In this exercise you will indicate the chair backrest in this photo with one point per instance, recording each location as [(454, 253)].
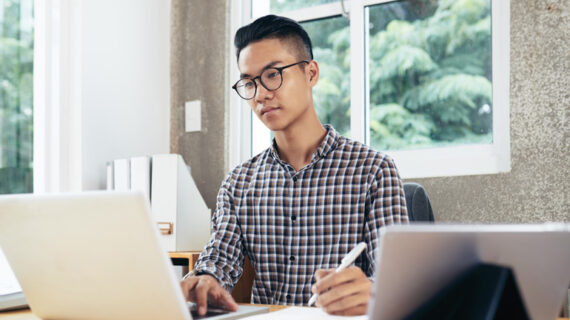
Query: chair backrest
[(417, 202)]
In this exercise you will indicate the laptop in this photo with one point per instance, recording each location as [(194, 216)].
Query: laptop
[(415, 262), (92, 255)]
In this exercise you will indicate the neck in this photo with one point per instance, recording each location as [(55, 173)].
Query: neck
[(296, 144)]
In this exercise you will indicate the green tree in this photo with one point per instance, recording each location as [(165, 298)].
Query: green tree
[(432, 74), (331, 48), (16, 109)]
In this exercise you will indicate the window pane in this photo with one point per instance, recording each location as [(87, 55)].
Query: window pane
[(430, 73), (331, 49), (279, 6), (16, 121)]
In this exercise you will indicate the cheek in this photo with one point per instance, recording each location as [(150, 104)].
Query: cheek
[(251, 103)]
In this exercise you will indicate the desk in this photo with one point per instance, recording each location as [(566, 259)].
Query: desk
[(242, 290), (26, 314)]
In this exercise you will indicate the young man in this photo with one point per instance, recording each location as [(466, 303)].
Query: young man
[(300, 206)]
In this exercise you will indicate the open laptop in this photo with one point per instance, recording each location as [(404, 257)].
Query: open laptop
[(93, 255), (415, 262)]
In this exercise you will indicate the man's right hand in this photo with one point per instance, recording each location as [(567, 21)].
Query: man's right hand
[(200, 289)]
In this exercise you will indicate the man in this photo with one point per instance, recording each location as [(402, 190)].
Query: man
[(300, 206)]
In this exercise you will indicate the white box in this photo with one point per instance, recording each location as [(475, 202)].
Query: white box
[(177, 206)]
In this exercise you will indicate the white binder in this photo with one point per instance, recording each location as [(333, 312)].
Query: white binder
[(177, 206)]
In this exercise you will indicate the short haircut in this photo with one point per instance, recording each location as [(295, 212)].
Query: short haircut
[(275, 27)]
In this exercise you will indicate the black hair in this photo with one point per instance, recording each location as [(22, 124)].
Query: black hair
[(272, 26)]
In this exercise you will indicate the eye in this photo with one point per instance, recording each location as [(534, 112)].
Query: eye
[(271, 74), (248, 84)]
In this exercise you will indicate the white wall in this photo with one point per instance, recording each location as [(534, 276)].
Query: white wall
[(125, 82)]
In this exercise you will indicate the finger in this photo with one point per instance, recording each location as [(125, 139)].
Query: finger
[(187, 285), (321, 273), (201, 293), (336, 294), (347, 302), (354, 311), (226, 300), (334, 279)]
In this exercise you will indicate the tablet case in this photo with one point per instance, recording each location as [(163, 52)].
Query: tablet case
[(485, 291)]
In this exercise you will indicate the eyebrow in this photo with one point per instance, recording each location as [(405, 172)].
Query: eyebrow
[(269, 65)]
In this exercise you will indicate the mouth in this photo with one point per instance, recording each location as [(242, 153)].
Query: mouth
[(267, 110)]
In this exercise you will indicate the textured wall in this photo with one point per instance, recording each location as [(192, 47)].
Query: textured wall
[(537, 187), (535, 190), (198, 72)]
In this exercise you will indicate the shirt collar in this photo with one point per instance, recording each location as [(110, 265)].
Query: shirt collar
[(328, 144)]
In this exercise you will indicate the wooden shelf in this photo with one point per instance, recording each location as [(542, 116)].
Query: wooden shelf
[(242, 290)]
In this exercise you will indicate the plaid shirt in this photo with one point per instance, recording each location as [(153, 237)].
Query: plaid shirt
[(292, 223)]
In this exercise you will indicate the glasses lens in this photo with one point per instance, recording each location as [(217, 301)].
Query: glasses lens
[(271, 79), (246, 88)]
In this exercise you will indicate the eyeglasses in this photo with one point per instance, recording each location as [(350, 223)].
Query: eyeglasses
[(270, 78)]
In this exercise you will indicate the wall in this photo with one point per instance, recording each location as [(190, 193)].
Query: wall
[(125, 82), (198, 72), (537, 187)]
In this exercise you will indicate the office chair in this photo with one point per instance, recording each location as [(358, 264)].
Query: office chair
[(417, 202)]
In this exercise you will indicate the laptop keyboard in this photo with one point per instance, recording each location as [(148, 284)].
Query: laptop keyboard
[(212, 311)]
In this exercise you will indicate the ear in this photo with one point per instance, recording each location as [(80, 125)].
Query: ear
[(312, 71)]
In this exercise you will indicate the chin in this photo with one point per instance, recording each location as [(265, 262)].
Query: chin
[(273, 127), (273, 124)]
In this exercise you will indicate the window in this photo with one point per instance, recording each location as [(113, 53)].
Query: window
[(16, 87), (424, 81)]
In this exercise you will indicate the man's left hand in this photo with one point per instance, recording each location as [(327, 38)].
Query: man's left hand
[(346, 292)]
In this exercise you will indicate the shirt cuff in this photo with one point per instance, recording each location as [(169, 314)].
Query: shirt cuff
[(195, 272)]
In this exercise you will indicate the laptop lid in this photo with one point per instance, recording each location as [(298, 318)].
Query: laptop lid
[(90, 255), (414, 262)]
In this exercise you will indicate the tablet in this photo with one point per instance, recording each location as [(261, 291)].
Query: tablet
[(415, 262)]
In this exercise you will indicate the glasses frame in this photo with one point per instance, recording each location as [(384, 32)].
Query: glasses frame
[(279, 69)]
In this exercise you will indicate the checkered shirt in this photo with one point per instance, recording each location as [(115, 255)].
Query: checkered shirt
[(292, 223)]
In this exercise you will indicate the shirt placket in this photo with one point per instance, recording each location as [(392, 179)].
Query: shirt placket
[(290, 256)]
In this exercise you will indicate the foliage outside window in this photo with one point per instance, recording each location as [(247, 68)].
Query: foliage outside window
[(430, 74), (332, 93), (16, 87)]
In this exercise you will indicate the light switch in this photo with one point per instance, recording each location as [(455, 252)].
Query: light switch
[(193, 116)]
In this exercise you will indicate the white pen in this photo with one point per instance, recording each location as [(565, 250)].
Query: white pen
[(346, 261)]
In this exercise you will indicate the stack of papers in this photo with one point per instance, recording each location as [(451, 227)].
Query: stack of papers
[(8, 282), (302, 313)]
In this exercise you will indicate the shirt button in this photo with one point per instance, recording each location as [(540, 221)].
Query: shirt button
[(291, 258), (288, 297), (293, 218), (294, 179)]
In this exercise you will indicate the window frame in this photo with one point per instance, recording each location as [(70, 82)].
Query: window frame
[(57, 96), (460, 160)]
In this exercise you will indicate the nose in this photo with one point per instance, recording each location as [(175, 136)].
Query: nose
[(262, 93)]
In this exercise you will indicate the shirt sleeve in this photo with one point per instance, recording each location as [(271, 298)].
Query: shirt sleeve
[(386, 205), (223, 255)]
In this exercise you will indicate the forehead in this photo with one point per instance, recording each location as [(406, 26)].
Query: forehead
[(257, 55)]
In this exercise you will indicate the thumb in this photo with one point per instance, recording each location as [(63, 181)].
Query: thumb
[(321, 273)]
